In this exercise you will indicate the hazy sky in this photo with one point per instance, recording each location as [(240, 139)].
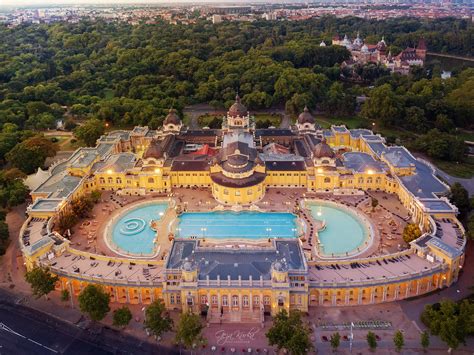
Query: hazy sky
[(100, 2)]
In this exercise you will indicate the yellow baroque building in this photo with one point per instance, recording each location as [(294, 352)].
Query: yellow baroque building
[(239, 164)]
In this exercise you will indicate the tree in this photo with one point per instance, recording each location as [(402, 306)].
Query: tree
[(411, 232), (31, 153), (64, 295), (398, 340), (94, 301), (90, 131), (425, 340), (189, 330), (42, 282), (288, 332), (335, 341), (383, 105), (451, 321), (374, 203), (371, 341), (157, 321), (460, 198), (122, 316), (4, 237), (470, 226)]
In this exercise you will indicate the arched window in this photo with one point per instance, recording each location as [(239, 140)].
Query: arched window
[(101, 181), (225, 301), (118, 180), (110, 180), (378, 180), (151, 180), (256, 300), (361, 180), (325, 161), (245, 301), (327, 180), (369, 180)]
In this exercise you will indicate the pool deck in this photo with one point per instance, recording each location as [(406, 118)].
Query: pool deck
[(388, 218)]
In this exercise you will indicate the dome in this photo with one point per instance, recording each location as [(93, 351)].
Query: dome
[(279, 266), (322, 44), (323, 150), (237, 109), (305, 117), (237, 160), (358, 41), (172, 118)]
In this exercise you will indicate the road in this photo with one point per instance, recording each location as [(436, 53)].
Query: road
[(27, 331)]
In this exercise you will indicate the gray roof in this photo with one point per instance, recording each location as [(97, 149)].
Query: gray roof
[(437, 205), (236, 262), (119, 162), (58, 186), (360, 162), (423, 183), (360, 132), (50, 204), (449, 250)]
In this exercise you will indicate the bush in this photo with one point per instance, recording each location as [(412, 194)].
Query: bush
[(64, 295), (122, 316), (411, 232)]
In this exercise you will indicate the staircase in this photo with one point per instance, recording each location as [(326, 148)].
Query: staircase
[(242, 316)]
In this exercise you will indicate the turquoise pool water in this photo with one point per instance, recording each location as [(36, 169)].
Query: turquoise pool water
[(344, 231), (238, 225), (132, 232)]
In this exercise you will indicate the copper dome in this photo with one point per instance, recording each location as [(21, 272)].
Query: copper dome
[(172, 118), (323, 150), (237, 109), (305, 116)]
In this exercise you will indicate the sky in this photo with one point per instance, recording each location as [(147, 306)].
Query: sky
[(101, 2)]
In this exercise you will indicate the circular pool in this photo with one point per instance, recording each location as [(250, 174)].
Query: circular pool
[(130, 231), (345, 231)]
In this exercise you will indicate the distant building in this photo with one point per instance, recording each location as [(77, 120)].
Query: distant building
[(229, 10), (216, 19), (363, 53)]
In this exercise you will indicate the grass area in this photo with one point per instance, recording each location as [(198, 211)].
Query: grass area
[(466, 135), (65, 143), (462, 170), (350, 122)]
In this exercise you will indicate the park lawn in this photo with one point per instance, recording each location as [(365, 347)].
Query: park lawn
[(466, 135), (463, 170), (64, 143), (350, 122)]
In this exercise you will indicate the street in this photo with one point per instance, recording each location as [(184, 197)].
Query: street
[(26, 331)]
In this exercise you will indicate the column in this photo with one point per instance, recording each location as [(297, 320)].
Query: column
[(372, 295), (359, 296), (407, 292), (397, 291), (127, 294), (321, 298), (347, 298), (384, 295), (219, 301), (251, 301), (417, 287)]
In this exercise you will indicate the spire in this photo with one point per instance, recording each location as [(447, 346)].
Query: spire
[(237, 98)]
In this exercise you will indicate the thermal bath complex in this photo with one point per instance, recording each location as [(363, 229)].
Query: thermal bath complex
[(239, 222)]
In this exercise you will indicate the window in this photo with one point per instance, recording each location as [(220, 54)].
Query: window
[(327, 180), (110, 180), (246, 301), (203, 299), (300, 301), (235, 301), (101, 181), (237, 192), (378, 180), (361, 180), (266, 300), (225, 301), (369, 180), (226, 192), (172, 299), (249, 192), (151, 180), (256, 300), (214, 299), (118, 180), (178, 298)]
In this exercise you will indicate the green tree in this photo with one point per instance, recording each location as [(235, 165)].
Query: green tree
[(449, 320), (425, 340), (374, 203), (157, 320), (90, 131), (64, 295), (42, 282), (94, 301), (31, 154), (189, 330), (288, 332), (122, 316), (371, 341), (398, 340), (470, 226), (411, 232), (460, 198), (335, 341), (383, 105), (4, 237)]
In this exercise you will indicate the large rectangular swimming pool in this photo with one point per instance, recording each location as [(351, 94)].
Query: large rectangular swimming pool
[(238, 225)]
